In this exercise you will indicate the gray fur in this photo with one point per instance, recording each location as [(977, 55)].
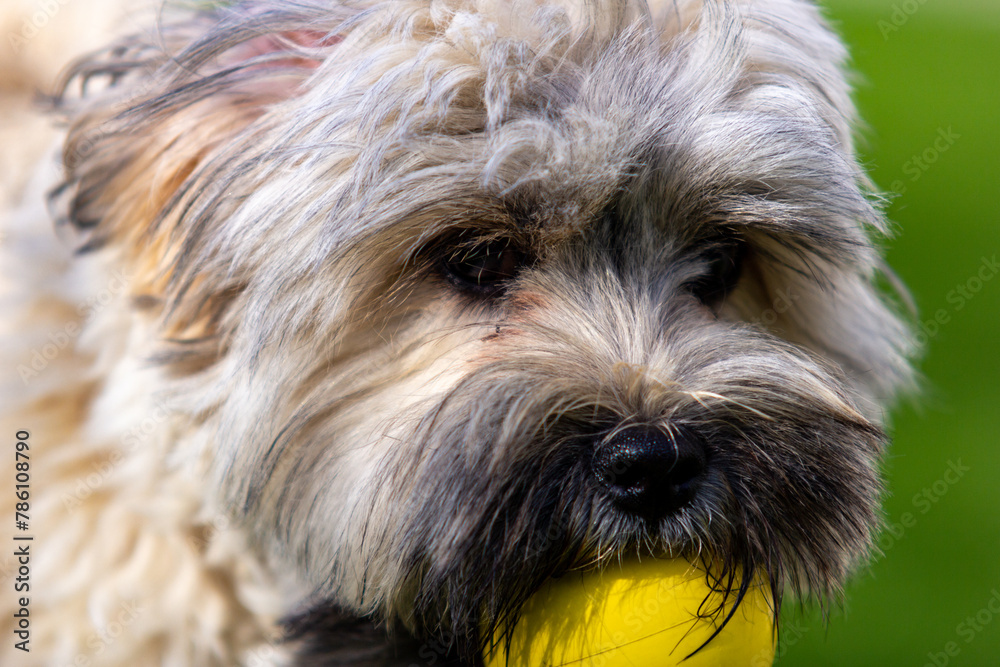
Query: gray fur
[(401, 447)]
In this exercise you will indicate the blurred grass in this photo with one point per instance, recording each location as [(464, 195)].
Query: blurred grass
[(929, 67)]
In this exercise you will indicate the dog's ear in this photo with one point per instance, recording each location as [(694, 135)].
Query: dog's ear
[(149, 116)]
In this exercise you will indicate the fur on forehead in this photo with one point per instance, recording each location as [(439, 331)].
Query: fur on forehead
[(350, 136)]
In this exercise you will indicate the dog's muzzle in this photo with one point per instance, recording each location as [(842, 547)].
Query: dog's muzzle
[(650, 472)]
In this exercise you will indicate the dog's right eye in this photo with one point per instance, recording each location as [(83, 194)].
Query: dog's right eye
[(723, 267), (484, 269)]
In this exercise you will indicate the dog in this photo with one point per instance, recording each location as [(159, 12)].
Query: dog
[(361, 320)]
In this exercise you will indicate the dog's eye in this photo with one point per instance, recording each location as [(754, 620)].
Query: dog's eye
[(485, 268), (724, 265)]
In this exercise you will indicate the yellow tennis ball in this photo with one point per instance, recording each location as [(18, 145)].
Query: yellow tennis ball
[(638, 614)]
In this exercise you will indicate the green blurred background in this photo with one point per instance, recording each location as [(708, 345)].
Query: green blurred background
[(929, 89)]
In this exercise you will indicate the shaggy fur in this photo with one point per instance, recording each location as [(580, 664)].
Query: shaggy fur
[(285, 428)]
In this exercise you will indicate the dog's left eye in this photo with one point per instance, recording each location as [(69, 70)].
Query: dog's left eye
[(485, 268)]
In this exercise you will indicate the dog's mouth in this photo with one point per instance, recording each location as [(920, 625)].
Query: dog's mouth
[(693, 490), (562, 518), (759, 499)]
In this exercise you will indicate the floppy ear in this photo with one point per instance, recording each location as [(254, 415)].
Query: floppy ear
[(150, 114)]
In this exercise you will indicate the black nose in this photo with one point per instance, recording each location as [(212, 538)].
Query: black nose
[(649, 471)]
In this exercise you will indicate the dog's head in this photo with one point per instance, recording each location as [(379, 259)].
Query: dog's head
[(467, 293)]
